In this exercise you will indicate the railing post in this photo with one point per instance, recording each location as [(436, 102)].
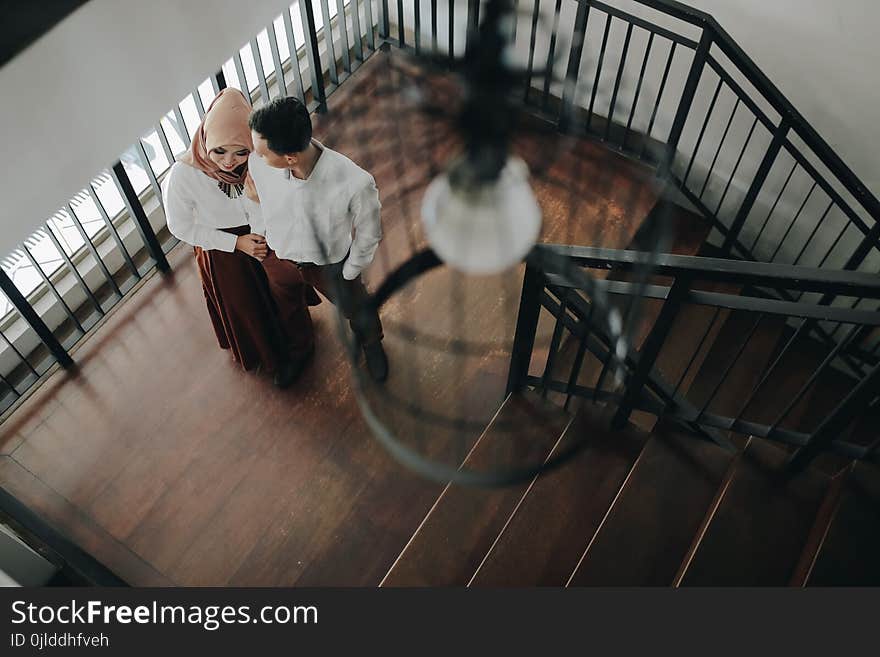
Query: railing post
[(526, 326), (574, 65), (383, 19), (16, 298), (219, 81), (136, 211), (473, 22), (761, 174), (650, 350), (310, 33), (687, 99), (858, 399)]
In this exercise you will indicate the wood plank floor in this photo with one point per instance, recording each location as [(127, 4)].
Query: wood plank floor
[(172, 466)]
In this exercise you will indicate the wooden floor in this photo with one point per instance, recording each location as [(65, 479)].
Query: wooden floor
[(171, 466)]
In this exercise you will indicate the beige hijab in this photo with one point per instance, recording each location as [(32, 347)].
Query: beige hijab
[(225, 122)]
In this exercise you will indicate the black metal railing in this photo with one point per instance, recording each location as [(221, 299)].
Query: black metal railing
[(665, 83), (715, 354)]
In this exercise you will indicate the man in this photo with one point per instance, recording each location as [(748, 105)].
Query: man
[(321, 219)]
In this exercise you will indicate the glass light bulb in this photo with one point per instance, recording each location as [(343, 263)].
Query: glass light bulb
[(486, 229)]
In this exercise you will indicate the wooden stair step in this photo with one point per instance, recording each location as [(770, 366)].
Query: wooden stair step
[(651, 524), (458, 531), (563, 509), (848, 554), (755, 533)]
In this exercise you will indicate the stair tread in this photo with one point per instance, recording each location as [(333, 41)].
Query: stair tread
[(544, 540), (651, 524), (756, 534), (458, 531), (848, 554)]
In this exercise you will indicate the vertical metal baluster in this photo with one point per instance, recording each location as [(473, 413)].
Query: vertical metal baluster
[(706, 120), (632, 111), (697, 351), (779, 137), (328, 39), (554, 342), (598, 71), (434, 26), (514, 19), (578, 360), (73, 269), (313, 56), (182, 132), (651, 349), (657, 101), (551, 54), (535, 16), (401, 23), (197, 99), (242, 78), (773, 207), (280, 82), (855, 402), (39, 269), (793, 221), (294, 56), (368, 12), (148, 169), (384, 29), (723, 378), (137, 213), (718, 150), (620, 68), (110, 227), (813, 377), (343, 34), (166, 147), (686, 101), (29, 315), (814, 231), (736, 166), (261, 74), (581, 20), (417, 19), (94, 251), (218, 81), (356, 29), (451, 29)]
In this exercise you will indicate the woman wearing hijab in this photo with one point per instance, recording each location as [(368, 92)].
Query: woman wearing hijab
[(206, 206)]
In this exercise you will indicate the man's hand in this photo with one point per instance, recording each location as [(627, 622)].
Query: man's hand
[(254, 245), (250, 190)]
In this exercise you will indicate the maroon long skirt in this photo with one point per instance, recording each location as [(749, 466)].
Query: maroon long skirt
[(246, 318)]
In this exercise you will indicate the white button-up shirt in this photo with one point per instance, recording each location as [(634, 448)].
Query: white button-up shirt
[(313, 220), (196, 208)]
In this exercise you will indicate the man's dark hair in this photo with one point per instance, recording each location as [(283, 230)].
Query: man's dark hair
[(285, 125)]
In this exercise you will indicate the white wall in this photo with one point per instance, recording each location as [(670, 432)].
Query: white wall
[(80, 95)]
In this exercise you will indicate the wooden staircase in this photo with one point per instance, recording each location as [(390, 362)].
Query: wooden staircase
[(651, 505), (647, 509)]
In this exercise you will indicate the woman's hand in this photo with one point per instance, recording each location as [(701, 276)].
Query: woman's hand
[(254, 245), (250, 189)]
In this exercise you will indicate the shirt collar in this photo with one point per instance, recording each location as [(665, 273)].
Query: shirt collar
[(288, 175)]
